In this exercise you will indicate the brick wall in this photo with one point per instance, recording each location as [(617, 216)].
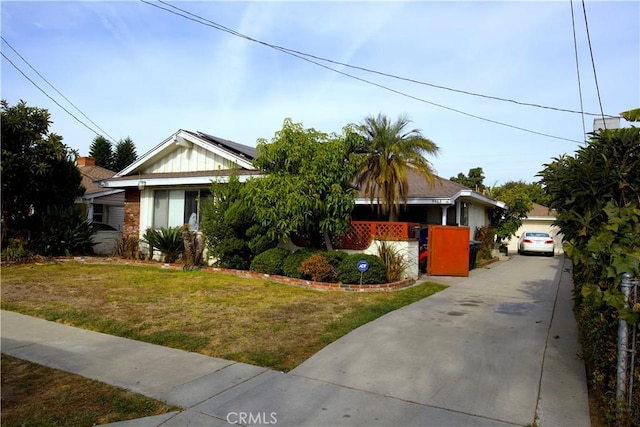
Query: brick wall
[(131, 212)]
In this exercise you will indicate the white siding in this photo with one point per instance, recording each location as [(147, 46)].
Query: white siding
[(189, 159), (477, 218), (115, 217)]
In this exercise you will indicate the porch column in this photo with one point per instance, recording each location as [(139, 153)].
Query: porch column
[(444, 214), (458, 213)]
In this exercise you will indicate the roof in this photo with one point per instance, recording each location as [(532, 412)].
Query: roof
[(539, 211), (94, 173), (240, 154), (249, 152), (443, 192)]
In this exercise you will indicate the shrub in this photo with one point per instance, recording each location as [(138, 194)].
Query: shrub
[(335, 258), (319, 269), (16, 252), (348, 271), (395, 261), (486, 236), (291, 264), (64, 232), (128, 247), (270, 261), (166, 240)]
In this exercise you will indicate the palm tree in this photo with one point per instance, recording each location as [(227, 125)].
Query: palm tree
[(392, 152)]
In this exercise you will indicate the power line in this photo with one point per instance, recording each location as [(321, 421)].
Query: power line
[(46, 94), (368, 70), (593, 64), (54, 88), (300, 56), (575, 49)]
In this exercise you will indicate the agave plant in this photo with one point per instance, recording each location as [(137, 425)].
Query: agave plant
[(166, 240)]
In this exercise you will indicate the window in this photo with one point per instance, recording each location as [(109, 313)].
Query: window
[(191, 209), (465, 214), (160, 209), (99, 213)]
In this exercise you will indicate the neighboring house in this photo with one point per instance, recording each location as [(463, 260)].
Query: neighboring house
[(539, 218), (103, 206), (163, 187), (446, 203)]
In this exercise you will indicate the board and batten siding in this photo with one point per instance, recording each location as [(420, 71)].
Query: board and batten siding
[(190, 159)]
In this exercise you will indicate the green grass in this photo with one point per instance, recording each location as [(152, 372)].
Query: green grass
[(247, 320), (35, 395)]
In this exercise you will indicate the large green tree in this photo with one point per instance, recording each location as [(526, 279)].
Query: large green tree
[(306, 186), (474, 179), (392, 150), (39, 175), (516, 194), (102, 152), (233, 235), (124, 154)]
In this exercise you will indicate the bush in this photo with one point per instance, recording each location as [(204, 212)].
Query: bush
[(348, 271), (270, 261), (486, 236), (319, 269), (335, 258), (395, 262), (16, 252), (291, 264), (65, 232), (128, 247), (166, 240)]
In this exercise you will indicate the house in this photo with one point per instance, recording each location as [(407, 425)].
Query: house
[(102, 206), (164, 186), (539, 218), (444, 203)]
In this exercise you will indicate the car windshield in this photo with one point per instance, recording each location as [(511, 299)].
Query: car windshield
[(537, 234)]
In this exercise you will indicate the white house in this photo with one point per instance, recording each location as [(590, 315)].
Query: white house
[(163, 187)]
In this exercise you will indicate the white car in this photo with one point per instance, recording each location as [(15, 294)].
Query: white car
[(536, 241)]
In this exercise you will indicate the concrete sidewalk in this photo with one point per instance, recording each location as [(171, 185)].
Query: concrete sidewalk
[(495, 349)]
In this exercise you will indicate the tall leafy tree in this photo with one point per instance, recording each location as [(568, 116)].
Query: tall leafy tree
[(102, 152), (474, 179), (307, 183), (392, 150), (517, 197), (124, 154), (233, 235), (39, 174)]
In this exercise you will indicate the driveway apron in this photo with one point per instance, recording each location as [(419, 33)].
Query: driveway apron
[(475, 348)]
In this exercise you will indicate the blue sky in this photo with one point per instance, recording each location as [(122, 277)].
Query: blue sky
[(139, 71)]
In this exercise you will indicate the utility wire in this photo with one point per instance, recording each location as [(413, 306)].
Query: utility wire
[(368, 70), (575, 49), (54, 88), (206, 22), (593, 64), (47, 95)]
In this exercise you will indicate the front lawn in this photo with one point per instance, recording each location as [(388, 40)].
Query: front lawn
[(247, 320), (35, 395)]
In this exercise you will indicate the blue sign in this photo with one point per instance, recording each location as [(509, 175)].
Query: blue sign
[(363, 266)]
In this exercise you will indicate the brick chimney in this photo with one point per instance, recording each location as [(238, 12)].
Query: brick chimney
[(86, 161)]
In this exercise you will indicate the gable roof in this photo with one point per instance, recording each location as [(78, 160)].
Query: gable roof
[(90, 174), (239, 154), (541, 212)]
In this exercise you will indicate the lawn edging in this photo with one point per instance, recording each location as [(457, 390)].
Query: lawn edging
[(301, 283)]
